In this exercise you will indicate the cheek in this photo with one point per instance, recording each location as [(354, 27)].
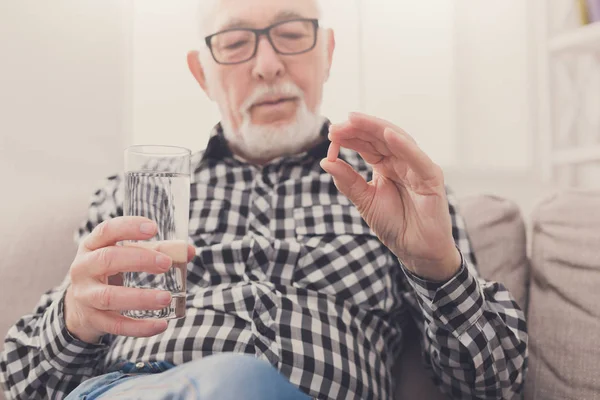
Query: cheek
[(311, 81), (231, 96)]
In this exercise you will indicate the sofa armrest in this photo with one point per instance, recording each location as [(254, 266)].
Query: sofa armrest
[(564, 317), (498, 236)]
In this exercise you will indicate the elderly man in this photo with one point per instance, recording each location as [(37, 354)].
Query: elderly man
[(315, 247)]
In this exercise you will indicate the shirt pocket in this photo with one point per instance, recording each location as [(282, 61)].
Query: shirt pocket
[(341, 256), (215, 221)]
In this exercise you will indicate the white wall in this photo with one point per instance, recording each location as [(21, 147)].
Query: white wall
[(62, 80), (408, 58), (495, 105), (343, 91)]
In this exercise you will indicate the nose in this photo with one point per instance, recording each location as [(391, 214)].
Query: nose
[(268, 66)]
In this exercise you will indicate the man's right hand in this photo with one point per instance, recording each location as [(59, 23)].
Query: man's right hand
[(92, 306)]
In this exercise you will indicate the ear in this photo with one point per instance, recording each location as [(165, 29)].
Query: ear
[(193, 61), (330, 50)]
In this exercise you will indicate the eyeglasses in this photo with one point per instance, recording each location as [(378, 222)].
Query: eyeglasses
[(236, 46)]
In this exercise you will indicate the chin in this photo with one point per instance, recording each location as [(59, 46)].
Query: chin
[(281, 124), (276, 139)]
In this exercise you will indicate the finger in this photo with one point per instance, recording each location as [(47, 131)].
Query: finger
[(120, 298), (349, 182), (117, 324), (112, 260), (191, 253), (178, 250), (349, 136), (347, 131), (370, 123), (117, 229), (416, 158), (333, 152)]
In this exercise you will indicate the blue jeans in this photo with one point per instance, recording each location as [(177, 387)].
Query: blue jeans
[(219, 377)]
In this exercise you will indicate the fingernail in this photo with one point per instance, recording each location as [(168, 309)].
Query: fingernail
[(163, 298), (163, 261), (147, 228)]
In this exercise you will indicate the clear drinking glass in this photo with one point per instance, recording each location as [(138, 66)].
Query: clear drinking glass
[(157, 186)]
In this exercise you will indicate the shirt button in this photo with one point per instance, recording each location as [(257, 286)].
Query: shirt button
[(140, 365)]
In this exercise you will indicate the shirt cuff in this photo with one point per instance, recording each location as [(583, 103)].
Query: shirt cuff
[(454, 305), (63, 351)]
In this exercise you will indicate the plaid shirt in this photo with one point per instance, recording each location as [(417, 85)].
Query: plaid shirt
[(287, 270)]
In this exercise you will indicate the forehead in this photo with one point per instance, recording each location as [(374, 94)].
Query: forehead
[(257, 13)]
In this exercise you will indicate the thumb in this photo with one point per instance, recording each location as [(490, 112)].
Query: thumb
[(349, 182)]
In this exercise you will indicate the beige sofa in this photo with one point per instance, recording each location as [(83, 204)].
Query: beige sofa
[(559, 284)]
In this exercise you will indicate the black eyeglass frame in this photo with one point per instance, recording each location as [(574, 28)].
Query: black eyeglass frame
[(264, 32)]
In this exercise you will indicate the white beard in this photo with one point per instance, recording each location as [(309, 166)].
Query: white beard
[(260, 142)]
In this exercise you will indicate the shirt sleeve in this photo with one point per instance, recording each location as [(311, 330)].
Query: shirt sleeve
[(41, 359), (474, 334)]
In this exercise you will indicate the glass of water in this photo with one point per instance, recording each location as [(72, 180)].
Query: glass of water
[(157, 186)]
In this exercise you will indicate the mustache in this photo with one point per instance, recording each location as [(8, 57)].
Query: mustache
[(287, 89)]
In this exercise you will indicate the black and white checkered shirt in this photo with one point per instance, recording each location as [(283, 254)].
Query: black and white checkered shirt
[(287, 270)]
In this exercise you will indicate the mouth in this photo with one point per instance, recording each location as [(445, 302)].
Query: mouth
[(275, 101)]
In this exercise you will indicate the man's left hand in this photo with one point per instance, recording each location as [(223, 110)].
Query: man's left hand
[(405, 203)]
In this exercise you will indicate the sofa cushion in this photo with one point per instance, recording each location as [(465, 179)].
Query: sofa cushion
[(564, 317), (497, 234)]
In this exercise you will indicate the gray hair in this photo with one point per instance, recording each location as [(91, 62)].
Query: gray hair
[(206, 9)]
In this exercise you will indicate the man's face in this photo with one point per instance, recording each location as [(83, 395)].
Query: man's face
[(237, 88)]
